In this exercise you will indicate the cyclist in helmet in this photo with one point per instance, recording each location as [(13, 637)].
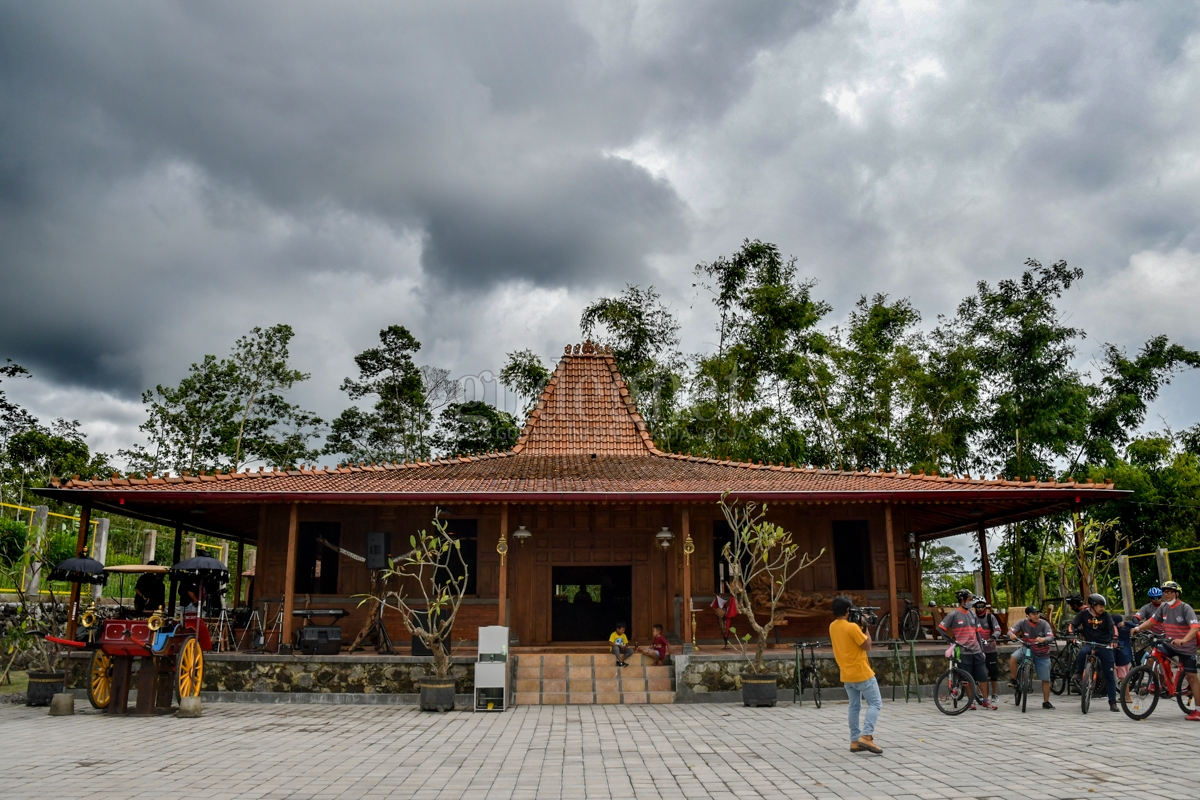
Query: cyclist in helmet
[(1181, 626), (989, 633), (961, 626), (1095, 626), (1035, 633), (1147, 611)]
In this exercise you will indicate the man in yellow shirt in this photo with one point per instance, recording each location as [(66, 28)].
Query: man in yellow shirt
[(851, 643)]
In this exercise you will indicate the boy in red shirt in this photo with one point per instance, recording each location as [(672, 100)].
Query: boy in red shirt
[(659, 648)]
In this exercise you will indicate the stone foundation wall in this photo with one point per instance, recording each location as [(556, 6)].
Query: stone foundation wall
[(700, 674), (263, 674)]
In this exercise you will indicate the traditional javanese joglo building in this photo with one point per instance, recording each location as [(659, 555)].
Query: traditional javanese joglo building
[(599, 524)]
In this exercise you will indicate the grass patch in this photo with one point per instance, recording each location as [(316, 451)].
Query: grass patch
[(20, 681)]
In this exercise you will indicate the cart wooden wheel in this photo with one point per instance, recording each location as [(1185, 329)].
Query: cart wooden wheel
[(189, 668), (100, 679)]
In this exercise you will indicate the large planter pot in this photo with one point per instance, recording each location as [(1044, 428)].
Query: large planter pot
[(759, 690), (43, 686), (437, 695)]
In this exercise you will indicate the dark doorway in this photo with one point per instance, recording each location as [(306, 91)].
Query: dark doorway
[(852, 554), (466, 531), (589, 601), (317, 557)]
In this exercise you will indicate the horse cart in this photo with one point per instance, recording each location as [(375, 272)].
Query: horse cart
[(171, 652)]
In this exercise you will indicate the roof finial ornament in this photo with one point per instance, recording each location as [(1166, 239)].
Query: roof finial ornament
[(577, 349), (567, 350), (588, 347)]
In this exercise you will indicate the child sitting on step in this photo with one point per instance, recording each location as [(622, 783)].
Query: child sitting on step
[(620, 642)]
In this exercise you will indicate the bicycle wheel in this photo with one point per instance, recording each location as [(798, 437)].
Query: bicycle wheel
[(1138, 694), (954, 692), (1025, 682), (910, 627), (883, 631), (1183, 694), (1087, 686), (1060, 675), (815, 678)]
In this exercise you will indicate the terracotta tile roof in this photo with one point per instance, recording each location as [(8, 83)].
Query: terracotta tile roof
[(586, 408), (569, 473), (584, 437)]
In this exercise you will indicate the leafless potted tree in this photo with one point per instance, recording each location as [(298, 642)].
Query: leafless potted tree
[(26, 636), (431, 580), (761, 554)]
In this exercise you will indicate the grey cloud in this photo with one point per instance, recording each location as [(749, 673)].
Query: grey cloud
[(172, 174)]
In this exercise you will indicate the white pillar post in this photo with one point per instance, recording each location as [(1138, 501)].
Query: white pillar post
[(37, 534), (100, 551)]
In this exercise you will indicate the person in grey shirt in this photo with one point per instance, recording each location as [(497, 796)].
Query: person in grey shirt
[(1035, 633), (989, 632)]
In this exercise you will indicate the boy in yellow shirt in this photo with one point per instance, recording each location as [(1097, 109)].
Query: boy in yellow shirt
[(619, 642), (851, 643)]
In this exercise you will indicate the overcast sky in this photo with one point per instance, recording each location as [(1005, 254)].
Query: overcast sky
[(173, 174)]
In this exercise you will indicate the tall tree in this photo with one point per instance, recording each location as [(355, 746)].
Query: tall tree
[(260, 368), (397, 426), (1035, 403), (474, 427), (1127, 386), (644, 337), (227, 412), (526, 376)]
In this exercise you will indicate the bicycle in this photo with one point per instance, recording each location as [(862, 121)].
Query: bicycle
[(1062, 669), (1024, 678), (910, 624), (1157, 677), (1093, 679), (807, 675), (955, 691)]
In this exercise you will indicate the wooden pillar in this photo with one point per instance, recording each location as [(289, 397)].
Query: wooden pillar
[(174, 561), (891, 554), (85, 518), (289, 580), (502, 549), (688, 546), (985, 562), (237, 581)]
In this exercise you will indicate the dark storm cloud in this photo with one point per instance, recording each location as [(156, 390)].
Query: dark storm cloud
[(172, 174), (485, 130)]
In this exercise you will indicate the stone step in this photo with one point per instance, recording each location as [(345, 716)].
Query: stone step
[(589, 678)]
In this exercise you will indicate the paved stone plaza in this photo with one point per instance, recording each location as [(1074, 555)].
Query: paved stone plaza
[(674, 751)]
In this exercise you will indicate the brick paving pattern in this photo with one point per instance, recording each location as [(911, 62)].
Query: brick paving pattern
[(595, 751)]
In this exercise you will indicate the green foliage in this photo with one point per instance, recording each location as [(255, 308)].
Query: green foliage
[(644, 337), (1163, 472), (474, 427), (227, 412), (526, 375), (13, 533), (397, 426), (943, 573), (1035, 404)]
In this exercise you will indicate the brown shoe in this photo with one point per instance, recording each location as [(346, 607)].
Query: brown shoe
[(855, 747), (868, 743)]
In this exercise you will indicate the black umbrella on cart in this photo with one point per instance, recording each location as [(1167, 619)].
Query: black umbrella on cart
[(203, 569), (79, 569)]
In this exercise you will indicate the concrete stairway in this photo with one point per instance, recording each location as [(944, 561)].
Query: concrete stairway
[(584, 679)]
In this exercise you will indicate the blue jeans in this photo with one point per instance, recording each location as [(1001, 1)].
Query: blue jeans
[(1105, 654), (857, 692)]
